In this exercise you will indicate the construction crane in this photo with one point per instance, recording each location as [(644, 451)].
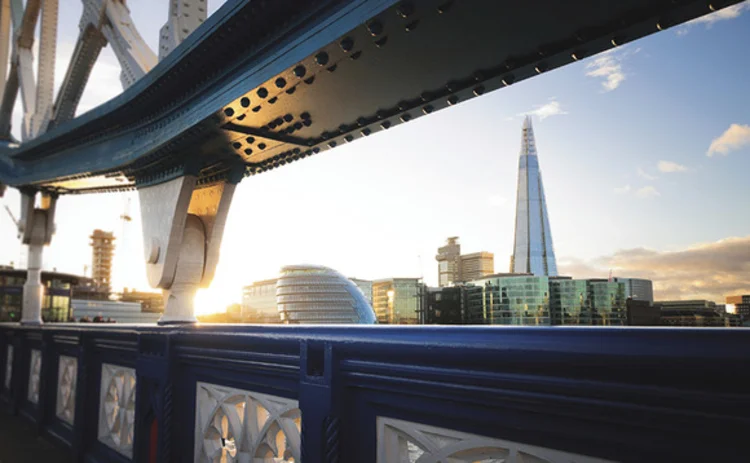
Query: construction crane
[(21, 249)]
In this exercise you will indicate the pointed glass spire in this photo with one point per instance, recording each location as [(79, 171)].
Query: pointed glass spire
[(532, 250)]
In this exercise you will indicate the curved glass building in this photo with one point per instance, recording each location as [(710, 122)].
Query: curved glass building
[(307, 294)]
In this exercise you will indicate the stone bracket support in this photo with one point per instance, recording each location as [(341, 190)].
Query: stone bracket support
[(35, 229), (182, 230)]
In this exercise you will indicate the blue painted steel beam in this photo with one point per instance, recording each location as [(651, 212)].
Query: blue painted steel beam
[(264, 83)]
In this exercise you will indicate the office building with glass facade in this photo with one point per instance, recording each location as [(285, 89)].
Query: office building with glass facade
[(397, 301), (608, 302), (638, 289), (570, 302), (508, 300)]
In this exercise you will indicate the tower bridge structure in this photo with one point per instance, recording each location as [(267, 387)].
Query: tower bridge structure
[(255, 86)]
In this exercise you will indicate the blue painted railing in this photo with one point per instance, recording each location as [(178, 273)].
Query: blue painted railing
[(618, 394)]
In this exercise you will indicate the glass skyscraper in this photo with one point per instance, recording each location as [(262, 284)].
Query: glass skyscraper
[(532, 249)]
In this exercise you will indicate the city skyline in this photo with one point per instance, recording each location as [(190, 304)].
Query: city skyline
[(653, 197)]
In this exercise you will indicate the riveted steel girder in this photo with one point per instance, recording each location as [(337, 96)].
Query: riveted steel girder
[(269, 83)]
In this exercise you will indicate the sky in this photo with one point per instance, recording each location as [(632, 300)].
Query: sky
[(644, 152)]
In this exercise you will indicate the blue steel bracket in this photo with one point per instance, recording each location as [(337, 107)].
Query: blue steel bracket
[(319, 401)]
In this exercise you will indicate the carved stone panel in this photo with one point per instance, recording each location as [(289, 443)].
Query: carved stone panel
[(238, 425), (406, 442), (35, 371), (66, 388), (117, 408)]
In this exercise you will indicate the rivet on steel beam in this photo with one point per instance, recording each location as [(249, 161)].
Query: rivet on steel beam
[(310, 80), (355, 55), (479, 90), (444, 7), (288, 117), (272, 125), (250, 140), (366, 131), (256, 109), (348, 138), (316, 150), (297, 125), (576, 55), (453, 99), (248, 151), (321, 58), (347, 43), (381, 42), (278, 121), (428, 109), (307, 122), (280, 82), (273, 100), (262, 92), (616, 41), (245, 102), (300, 71), (405, 9), (296, 150), (509, 79), (305, 115), (261, 146), (385, 124), (411, 26), (405, 117), (375, 28), (331, 68), (711, 7), (229, 112), (237, 145), (332, 144), (291, 90), (540, 68)]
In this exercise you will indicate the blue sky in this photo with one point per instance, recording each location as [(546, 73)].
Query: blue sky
[(625, 146)]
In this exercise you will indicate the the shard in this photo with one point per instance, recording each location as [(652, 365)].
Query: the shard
[(532, 248)]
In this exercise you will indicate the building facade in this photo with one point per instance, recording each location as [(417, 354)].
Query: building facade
[(102, 250), (608, 302), (397, 301), (697, 312), (111, 311), (366, 287), (508, 300), (453, 267), (570, 302), (638, 289), (533, 251), (444, 306), (55, 303), (307, 294), (477, 265), (741, 306), (259, 302)]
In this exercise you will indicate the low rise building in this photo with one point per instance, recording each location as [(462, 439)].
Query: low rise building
[(56, 300), (115, 311), (443, 306), (259, 302), (697, 312)]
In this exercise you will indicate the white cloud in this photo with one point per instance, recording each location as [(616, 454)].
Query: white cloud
[(669, 166), (647, 192), (622, 189), (709, 20), (608, 65), (734, 138), (643, 174), (553, 108)]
